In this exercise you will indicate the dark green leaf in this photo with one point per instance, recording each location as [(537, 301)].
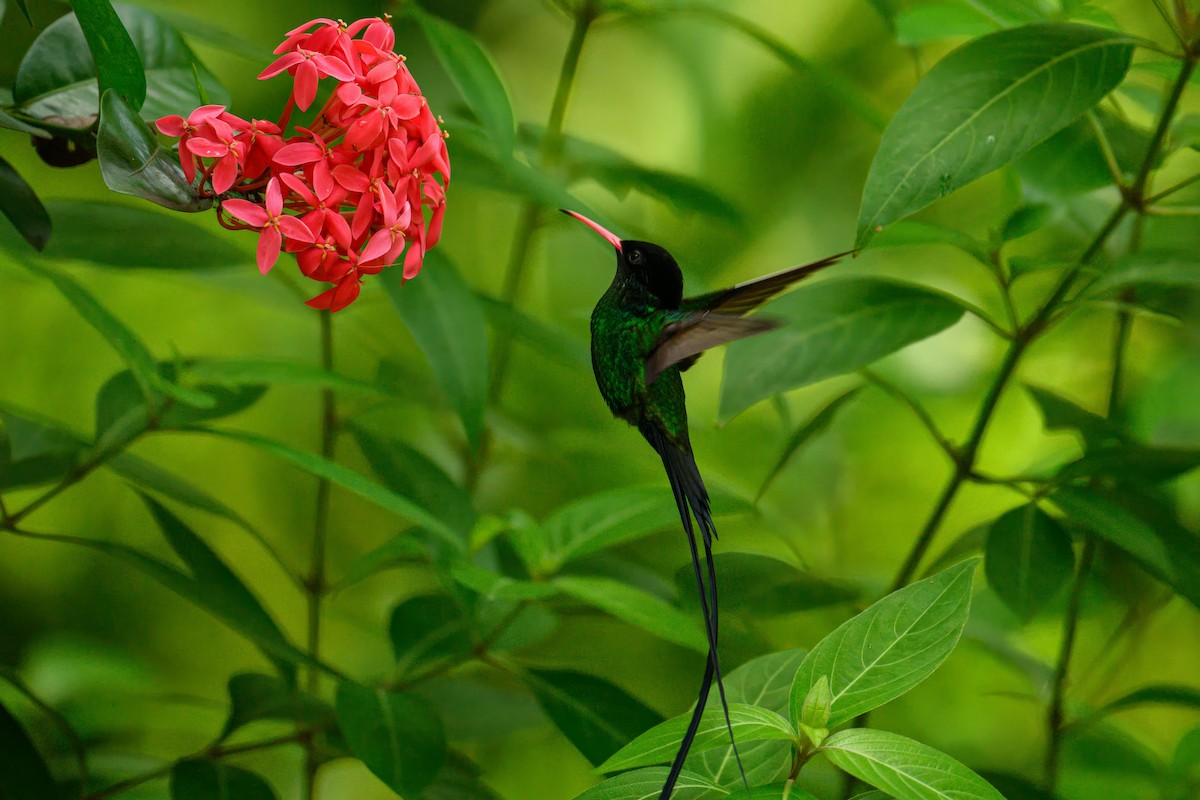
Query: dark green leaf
[(764, 586), (1071, 161), (905, 769), (775, 791), (156, 479), (24, 210), (234, 372), (428, 628), (914, 232), (1029, 559), (215, 36), (445, 318), (1175, 562), (254, 697), (201, 779), (1016, 788), (646, 784), (133, 162), (813, 427), (220, 590), (100, 233), (120, 396), (833, 328), (347, 479), (970, 543), (659, 744), (400, 549), (931, 22), (1026, 220), (1132, 463), (1159, 694), (474, 74), (983, 105), (34, 450), (57, 78), (21, 4), (411, 473), (606, 519), (460, 779), (1059, 413), (891, 647), (598, 717), (545, 338), (12, 123), (118, 65), (1148, 269), (397, 735), (26, 776), (638, 608)]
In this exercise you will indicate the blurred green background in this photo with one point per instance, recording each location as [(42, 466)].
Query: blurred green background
[(129, 661)]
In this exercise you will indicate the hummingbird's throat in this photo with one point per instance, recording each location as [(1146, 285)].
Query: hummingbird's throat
[(612, 238)]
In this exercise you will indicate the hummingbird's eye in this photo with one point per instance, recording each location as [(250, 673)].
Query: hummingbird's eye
[(635, 257)]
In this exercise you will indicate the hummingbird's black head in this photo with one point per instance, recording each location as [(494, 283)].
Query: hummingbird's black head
[(643, 267)]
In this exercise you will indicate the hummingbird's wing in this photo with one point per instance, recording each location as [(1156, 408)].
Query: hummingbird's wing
[(682, 341), (745, 297)]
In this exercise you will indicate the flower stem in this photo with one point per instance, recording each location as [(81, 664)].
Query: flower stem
[(527, 224), (315, 585)]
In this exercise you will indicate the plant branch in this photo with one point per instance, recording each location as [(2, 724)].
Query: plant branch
[(57, 718), (918, 410), (1170, 190), (1054, 714), (315, 585), (1106, 148)]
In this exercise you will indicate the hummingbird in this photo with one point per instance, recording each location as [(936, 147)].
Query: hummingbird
[(644, 335)]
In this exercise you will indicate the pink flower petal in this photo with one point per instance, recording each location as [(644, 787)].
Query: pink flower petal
[(435, 226), (286, 61), (269, 242), (351, 178), (171, 125), (306, 84), (206, 148), (377, 246), (408, 106), (298, 186), (298, 153), (345, 293), (274, 198), (322, 179), (365, 130), (225, 174), (322, 301), (293, 228), (250, 213), (334, 68), (340, 229), (413, 261)]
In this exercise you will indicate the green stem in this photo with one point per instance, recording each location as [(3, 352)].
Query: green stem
[(527, 223), (1054, 714), (918, 410), (315, 585), (1164, 125)]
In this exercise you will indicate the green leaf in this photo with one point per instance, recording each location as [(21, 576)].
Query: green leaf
[(983, 105), (775, 791), (398, 736), (126, 344), (646, 784), (638, 608), (1158, 694), (14, 124), (100, 233), (877, 795), (26, 776), (201, 779), (21, 4), (1059, 413), (447, 321), (215, 36), (805, 433), (1029, 559), (257, 372), (764, 586), (833, 328), (914, 232), (903, 768), (1132, 463), (156, 479), (428, 628), (494, 586), (121, 396), (218, 589), (474, 74), (595, 715), (891, 647), (544, 338), (618, 516), (133, 162), (765, 682), (460, 779), (254, 697), (1016, 788), (34, 452), (56, 80), (1148, 269), (818, 705), (931, 22), (1176, 566), (1027, 219), (400, 549), (1072, 162), (659, 744), (411, 473), (24, 210), (347, 479), (118, 65)]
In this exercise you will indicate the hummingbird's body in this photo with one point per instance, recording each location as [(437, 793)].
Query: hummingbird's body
[(644, 335)]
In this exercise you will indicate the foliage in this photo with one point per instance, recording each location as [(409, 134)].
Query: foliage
[(505, 597)]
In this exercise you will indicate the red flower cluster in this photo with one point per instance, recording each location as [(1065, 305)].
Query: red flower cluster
[(348, 194)]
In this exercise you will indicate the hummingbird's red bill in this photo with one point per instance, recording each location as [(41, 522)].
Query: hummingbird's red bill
[(612, 238)]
